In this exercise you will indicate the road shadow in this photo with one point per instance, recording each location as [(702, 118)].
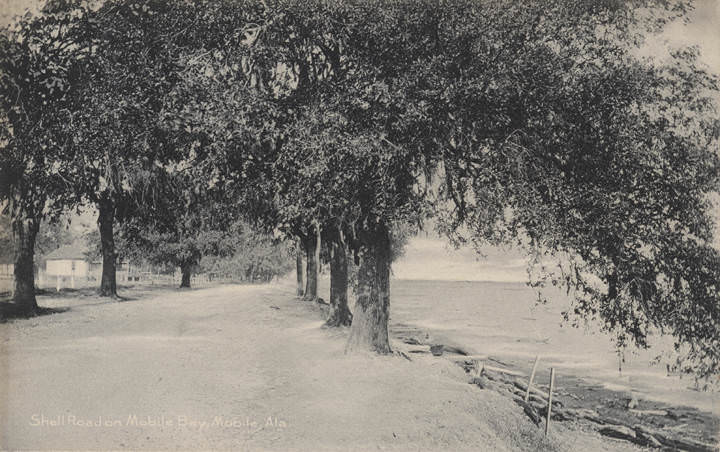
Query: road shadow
[(12, 311)]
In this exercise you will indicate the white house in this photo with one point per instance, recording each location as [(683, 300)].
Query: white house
[(6, 274), (7, 266), (68, 260)]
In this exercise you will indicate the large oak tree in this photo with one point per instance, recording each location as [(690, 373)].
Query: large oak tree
[(41, 66), (120, 129)]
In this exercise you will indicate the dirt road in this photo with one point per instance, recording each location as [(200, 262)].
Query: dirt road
[(237, 368)]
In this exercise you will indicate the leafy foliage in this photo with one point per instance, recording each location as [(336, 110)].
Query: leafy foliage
[(183, 223), (40, 67), (252, 257), (598, 158), (535, 123)]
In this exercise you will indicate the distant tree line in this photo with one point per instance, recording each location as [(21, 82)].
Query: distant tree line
[(342, 126)]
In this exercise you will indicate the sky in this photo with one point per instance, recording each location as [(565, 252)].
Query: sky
[(703, 30)]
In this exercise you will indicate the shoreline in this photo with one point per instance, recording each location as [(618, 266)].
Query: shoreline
[(699, 429), (506, 320)]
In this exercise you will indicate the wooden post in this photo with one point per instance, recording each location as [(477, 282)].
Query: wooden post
[(478, 367), (549, 405), (57, 283), (532, 376)]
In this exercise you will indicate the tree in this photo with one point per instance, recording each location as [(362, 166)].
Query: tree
[(120, 127), (40, 63), (226, 111), (252, 256), (238, 92), (183, 222), (572, 146), (340, 314), (326, 146), (367, 112), (299, 268), (306, 74), (313, 245), (478, 93)]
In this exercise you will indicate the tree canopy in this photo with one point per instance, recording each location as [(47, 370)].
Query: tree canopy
[(534, 123)]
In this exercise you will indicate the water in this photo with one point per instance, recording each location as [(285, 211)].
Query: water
[(504, 321)]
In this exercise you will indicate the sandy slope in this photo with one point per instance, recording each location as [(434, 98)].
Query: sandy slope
[(237, 367)]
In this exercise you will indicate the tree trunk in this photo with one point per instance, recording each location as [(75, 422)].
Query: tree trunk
[(186, 270), (25, 230), (299, 269), (108, 284), (312, 249), (369, 330), (340, 314)]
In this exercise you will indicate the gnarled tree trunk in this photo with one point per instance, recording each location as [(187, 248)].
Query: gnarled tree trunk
[(25, 230), (312, 250), (340, 314), (299, 269), (369, 330), (186, 270), (106, 219)]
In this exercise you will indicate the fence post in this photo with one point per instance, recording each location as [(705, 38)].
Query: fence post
[(549, 405), (532, 376), (478, 366)]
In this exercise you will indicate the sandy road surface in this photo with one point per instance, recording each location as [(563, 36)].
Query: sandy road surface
[(237, 367)]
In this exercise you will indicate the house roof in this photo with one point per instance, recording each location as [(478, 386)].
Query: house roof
[(75, 251)]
